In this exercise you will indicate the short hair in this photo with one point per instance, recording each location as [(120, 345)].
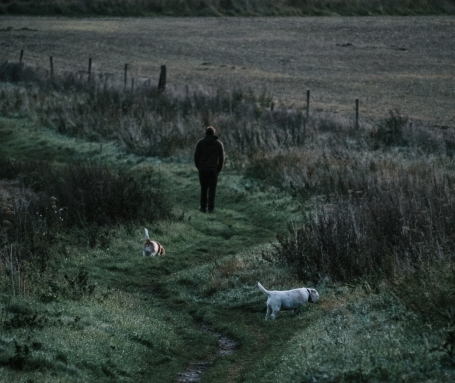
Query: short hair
[(210, 131)]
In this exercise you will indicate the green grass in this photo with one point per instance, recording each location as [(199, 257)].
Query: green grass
[(115, 334), (140, 324), (23, 141)]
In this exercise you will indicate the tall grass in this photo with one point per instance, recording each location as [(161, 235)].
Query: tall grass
[(150, 122), (84, 194), (381, 200), (377, 225), (38, 212), (226, 7), (385, 186)]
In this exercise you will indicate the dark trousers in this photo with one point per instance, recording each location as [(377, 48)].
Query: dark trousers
[(208, 180)]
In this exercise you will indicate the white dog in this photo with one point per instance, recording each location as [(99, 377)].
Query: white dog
[(288, 300), (152, 248)]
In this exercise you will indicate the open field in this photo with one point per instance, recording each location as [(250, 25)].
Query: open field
[(387, 62)]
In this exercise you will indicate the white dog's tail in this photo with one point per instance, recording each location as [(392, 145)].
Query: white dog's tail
[(263, 290), (146, 234)]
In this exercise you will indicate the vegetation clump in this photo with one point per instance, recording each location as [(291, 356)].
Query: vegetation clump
[(42, 203), (381, 226)]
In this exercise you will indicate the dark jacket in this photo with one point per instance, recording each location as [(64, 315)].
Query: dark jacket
[(209, 154)]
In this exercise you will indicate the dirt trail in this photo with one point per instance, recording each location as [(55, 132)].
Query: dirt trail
[(226, 346), (256, 342), (260, 344)]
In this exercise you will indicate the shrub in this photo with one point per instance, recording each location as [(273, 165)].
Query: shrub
[(391, 130), (385, 226), (50, 200), (20, 357), (16, 72), (85, 194), (95, 194)]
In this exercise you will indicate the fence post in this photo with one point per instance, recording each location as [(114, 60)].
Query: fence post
[(357, 113), (162, 81), (51, 60), (22, 54), (126, 75), (307, 104), (12, 270), (89, 69)]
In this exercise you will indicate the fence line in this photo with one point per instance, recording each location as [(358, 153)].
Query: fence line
[(53, 68), (162, 83)]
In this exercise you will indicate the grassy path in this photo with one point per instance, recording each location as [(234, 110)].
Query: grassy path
[(214, 262), (155, 305), (201, 244)]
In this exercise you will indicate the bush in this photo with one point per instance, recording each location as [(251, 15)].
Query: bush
[(391, 130), (16, 72), (385, 226), (49, 201), (90, 194), (85, 194)]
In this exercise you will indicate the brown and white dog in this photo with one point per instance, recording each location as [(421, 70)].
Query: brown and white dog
[(288, 300), (152, 248)]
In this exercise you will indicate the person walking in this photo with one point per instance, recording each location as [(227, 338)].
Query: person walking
[(209, 160)]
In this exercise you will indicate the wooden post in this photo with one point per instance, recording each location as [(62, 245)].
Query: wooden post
[(162, 82), (126, 75), (304, 131), (12, 270), (89, 69), (22, 54), (307, 104), (52, 65), (357, 113)]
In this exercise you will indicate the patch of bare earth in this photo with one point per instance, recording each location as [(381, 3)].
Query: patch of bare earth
[(226, 346), (260, 344)]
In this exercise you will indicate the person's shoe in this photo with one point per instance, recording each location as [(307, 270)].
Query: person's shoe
[(202, 210)]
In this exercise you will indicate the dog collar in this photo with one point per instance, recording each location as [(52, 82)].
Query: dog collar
[(310, 299)]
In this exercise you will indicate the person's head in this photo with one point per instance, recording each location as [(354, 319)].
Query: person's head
[(210, 131)]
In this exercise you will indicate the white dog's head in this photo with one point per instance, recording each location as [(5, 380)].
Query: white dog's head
[(313, 296)]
